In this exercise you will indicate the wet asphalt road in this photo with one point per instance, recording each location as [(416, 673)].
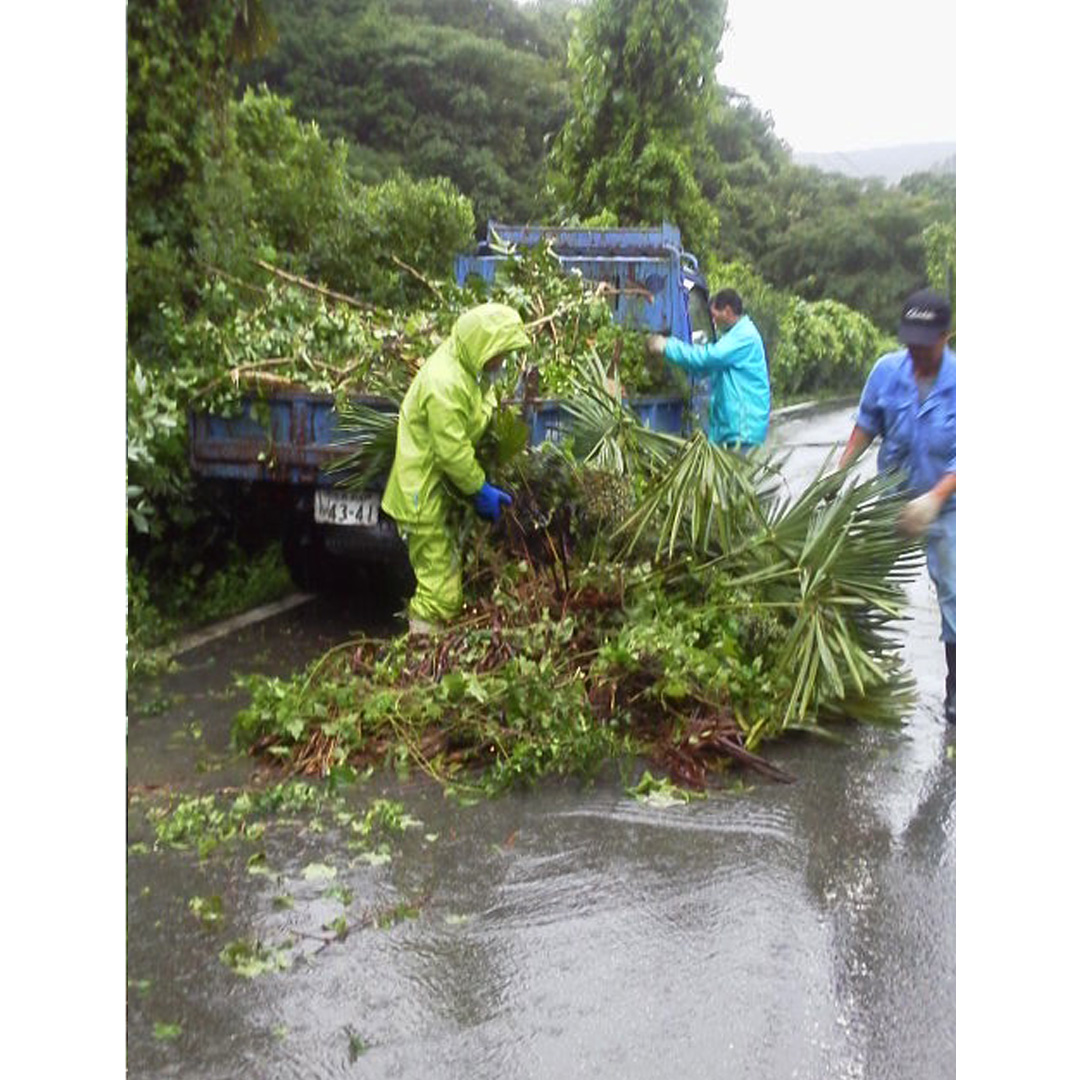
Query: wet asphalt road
[(803, 930)]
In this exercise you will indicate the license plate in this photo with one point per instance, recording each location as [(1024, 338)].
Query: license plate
[(345, 508)]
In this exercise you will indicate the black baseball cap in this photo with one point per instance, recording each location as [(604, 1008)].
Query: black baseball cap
[(925, 318)]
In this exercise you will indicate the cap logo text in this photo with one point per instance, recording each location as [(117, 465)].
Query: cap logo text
[(918, 314)]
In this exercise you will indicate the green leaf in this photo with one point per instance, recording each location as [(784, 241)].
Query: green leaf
[(208, 910), (250, 959)]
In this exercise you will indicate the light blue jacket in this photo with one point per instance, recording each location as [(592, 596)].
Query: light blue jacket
[(739, 380)]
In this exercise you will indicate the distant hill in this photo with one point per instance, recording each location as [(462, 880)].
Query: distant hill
[(890, 163)]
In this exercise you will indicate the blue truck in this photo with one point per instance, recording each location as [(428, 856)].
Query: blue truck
[(272, 458)]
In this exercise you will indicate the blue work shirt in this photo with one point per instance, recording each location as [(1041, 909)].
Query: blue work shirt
[(739, 381), (917, 437)]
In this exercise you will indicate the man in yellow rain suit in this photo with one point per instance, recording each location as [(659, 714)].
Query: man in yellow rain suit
[(442, 417)]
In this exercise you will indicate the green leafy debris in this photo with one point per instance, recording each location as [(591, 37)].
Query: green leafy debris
[(357, 1045), (249, 958), (341, 893), (339, 926), (209, 910), (257, 864), (318, 872), (660, 793), (391, 916)]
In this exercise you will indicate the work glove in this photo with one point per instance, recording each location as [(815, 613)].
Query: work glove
[(489, 501), (655, 344), (919, 514)]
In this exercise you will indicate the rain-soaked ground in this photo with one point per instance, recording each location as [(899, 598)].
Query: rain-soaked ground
[(802, 930)]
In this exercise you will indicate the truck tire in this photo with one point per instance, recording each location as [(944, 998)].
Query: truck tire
[(311, 566), (391, 582)]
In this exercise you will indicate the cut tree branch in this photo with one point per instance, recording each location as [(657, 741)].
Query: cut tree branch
[(419, 277), (235, 280), (305, 284)]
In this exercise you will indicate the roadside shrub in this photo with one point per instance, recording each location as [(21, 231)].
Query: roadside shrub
[(824, 346)]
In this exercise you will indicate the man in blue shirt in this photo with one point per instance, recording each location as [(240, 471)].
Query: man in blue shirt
[(910, 402), (739, 407)]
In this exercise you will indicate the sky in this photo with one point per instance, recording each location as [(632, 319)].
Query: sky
[(846, 74)]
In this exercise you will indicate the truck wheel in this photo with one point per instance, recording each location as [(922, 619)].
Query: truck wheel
[(392, 582), (311, 567)]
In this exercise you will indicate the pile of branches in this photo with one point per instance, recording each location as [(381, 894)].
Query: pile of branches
[(274, 330), (645, 597), (500, 729)]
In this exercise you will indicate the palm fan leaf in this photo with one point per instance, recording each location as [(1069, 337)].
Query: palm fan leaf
[(369, 442), (833, 561), (703, 502), (607, 433)]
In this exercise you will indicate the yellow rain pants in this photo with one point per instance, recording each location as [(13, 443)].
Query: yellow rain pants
[(436, 562)]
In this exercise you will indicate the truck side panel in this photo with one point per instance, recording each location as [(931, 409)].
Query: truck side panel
[(293, 447), (549, 420)]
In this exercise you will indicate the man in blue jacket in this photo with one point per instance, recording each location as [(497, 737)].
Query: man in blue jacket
[(739, 376), (910, 402)]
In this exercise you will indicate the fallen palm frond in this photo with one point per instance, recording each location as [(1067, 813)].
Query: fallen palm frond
[(607, 433), (700, 504), (369, 440), (833, 563)]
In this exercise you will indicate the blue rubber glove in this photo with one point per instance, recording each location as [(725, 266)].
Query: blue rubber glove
[(489, 501)]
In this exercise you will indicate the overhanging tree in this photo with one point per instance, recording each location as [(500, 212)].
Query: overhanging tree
[(642, 88), (179, 57)]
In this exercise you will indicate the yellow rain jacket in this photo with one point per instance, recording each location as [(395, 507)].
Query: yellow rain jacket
[(442, 417)]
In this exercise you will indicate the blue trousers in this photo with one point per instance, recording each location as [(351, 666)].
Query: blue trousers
[(941, 562)]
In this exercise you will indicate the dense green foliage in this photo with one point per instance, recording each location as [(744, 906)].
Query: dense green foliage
[(939, 240), (615, 106), (279, 190), (862, 246), (643, 85), (442, 88)]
